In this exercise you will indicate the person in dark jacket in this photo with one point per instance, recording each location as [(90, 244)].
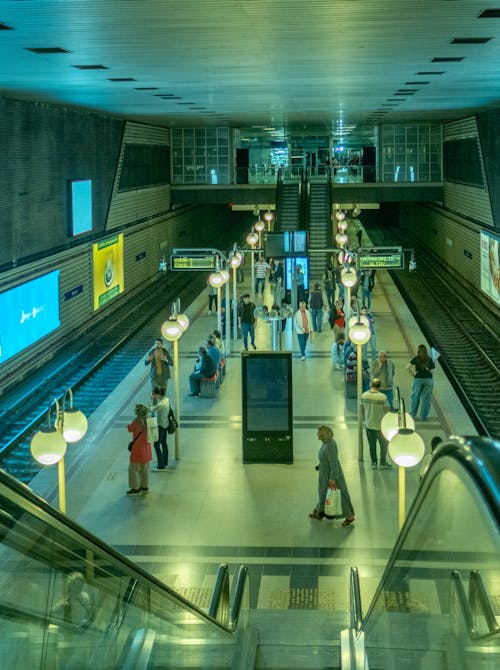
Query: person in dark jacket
[(205, 369)]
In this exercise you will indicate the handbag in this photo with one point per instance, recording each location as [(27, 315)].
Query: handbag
[(333, 505), (131, 444), (172, 422), (152, 429)]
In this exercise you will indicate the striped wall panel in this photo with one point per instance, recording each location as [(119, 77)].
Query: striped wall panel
[(469, 201), (448, 236), (130, 206)]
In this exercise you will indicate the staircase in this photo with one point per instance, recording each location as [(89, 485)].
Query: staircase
[(320, 228)]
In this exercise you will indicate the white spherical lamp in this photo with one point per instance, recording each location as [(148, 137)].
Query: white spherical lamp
[(48, 446), (348, 277), (406, 448), (171, 330), (259, 226), (183, 321), (390, 424), (75, 424), (359, 333), (252, 239)]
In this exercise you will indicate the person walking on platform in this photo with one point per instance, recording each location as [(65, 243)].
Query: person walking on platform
[(205, 368), (383, 369), (160, 361), (261, 270), (160, 405), (366, 288), (140, 453), (212, 299), (247, 320), (421, 367), (316, 305), (374, 405), (331, 475), (303, 327)]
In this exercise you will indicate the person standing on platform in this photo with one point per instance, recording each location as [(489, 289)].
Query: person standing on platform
[(160, 405), (160, 360), (383, 369), (303, 327), (366, 288), (421, 367), (261, 270), (247, 320), (329, 283), (336, 318), (331, 475), (359, 232), (212, 298), (140, 453), (316, 305), (374, 405)]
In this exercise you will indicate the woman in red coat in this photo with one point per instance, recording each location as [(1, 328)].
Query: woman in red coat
[(140, 454)]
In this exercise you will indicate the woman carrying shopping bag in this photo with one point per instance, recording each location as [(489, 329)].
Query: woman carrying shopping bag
[(330, 475)]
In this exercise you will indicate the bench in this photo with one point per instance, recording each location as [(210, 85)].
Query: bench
[(209, 386)]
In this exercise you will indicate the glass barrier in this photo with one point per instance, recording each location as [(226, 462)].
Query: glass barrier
[(415, 619), (70, 602)]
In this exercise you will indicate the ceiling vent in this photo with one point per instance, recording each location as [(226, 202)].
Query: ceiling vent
[(48, 50), (426, 74), (490, 14), (470, 40), (91, 67), (121, 79), (448, 59), (4, 26), (146, 88)]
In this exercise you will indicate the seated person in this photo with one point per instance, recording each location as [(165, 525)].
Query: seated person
[(213, 351), (206, 369)]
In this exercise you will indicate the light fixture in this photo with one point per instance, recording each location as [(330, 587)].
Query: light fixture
[(340, 215), (74, 422), (235, 260), (252, 239), (361, 318), (341, 239), (359, 334), (183, 321), (348, 277), (392, 422), (171, 329), (224, 274), (215, 279), (268, 216), (342, 226), (48, 445), (259, 226)]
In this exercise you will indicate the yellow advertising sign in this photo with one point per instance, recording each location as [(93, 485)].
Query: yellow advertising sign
[(108, 269)]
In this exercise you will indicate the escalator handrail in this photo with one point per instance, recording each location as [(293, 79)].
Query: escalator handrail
[(480, 457), (218, 607), (239, 592), (32, 504), (356, 610), (478, 590)]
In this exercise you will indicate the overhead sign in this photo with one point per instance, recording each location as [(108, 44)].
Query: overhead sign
[(192, 261), (379, 258)]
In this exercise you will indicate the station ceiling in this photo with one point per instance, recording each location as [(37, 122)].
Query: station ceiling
[(318, 66)]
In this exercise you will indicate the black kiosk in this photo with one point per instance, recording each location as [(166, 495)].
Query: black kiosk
[(267, 407)]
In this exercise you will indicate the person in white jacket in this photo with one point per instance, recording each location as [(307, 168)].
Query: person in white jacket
[(303, 327)]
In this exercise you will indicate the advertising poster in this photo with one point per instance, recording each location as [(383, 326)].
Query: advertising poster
[(28, 312), (108, 269), (490, 266)]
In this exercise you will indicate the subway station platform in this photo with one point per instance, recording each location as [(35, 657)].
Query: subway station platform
[(209, 508)]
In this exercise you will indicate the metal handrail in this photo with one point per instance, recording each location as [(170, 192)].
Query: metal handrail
[(218, 607), (239, 592), (468, 605), (356, 612)]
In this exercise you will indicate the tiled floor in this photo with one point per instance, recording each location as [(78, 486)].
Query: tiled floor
[(209, 508)]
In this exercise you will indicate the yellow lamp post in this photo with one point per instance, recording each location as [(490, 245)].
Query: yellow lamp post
[(259, 227), (268, 217), (48, 445), (348, 277), (252, 239), (172, 330), (234, 262), (216, 280), (406, 448), (359, 334)]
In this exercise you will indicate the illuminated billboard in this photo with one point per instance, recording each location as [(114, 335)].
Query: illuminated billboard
[(490, 266), (80, 206), (108, 269), (29, 312)]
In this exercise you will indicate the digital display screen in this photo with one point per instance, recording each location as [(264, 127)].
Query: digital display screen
[(194, 262), (300, 267), (29, 312), (267, 394), (380, 261), (80, 206)]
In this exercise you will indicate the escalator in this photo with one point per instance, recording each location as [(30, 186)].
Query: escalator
[(288, 204), (319, 226), (69, 601), (452, 532)]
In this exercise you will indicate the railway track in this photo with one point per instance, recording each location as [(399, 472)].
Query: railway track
[(461, 330)]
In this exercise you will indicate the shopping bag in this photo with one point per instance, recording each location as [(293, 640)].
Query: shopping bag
[(152, 429), (333, 506)]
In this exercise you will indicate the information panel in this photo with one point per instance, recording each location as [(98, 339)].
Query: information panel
[(192, 262), (380, 258)]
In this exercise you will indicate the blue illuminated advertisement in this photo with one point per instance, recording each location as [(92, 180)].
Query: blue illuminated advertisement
[(29, 312), (80, 206)]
